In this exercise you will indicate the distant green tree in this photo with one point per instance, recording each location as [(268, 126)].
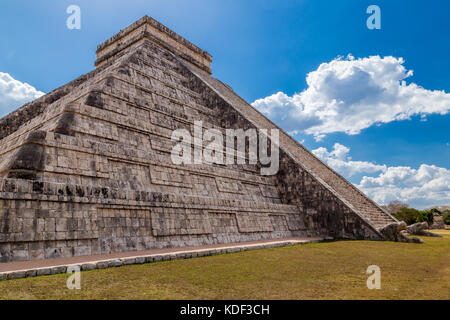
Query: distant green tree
[(411, 215), (435, 210), (426, 216), (446, 217)]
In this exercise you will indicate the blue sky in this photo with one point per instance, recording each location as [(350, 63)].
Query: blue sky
[(265, 50)]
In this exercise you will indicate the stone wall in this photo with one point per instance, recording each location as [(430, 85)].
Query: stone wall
[(47, 220)]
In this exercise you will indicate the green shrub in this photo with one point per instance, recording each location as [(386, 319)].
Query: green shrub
[(426, 216), (411, 216), (446, 218)]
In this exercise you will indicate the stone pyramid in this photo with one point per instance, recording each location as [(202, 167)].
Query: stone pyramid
[(87, 169)]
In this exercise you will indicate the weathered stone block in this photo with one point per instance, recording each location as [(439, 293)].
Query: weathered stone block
[(59, 270), (16, 275), (44, 272), (140, 260), (128, 261), (149, 259), (103, 264), (31, 273), (115, 263), (88, 266)]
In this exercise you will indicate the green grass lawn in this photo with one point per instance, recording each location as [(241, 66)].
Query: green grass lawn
[(330, 270)]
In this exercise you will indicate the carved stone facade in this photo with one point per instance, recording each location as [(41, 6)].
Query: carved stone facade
[(86, 169)]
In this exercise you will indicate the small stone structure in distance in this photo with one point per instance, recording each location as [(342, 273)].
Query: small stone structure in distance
[(86, 169)]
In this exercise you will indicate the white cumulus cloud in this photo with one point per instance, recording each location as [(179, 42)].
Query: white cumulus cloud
[(339, 160), (349, 95), (14, 93), (426, 186)]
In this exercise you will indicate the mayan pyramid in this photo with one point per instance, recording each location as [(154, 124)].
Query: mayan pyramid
[(86, 169)]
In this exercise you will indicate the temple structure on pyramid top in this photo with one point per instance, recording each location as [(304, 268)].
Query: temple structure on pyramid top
[(87, 168)]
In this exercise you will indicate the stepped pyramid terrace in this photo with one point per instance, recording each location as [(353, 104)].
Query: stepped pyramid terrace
[(87, 168)]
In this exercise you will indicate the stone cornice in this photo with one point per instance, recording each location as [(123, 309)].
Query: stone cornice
[(150, 29)]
